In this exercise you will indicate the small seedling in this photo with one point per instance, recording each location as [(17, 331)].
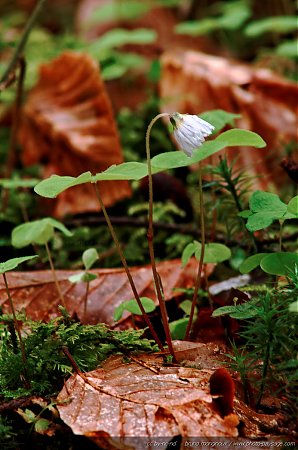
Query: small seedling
[(89, 257), (40, 232), (265, 208), (214, 253), (178, 327), (269, 330), (133, 307), (38, 423)]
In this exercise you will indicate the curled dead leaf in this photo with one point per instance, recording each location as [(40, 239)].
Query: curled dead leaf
[(68, 126)]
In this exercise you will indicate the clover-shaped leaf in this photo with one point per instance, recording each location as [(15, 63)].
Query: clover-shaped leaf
[(265, 207), (85, 277), (280, 263), (293, 206), (245, 311), (53, 186), (251, 262), (133, 307), (214, 252), (89, 257), (11, 264), (230, 138), (36, 232)]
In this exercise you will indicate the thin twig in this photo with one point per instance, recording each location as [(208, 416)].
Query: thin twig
[(280, 236), (126, 268), (10, 80), (201, 261), (71, 360), (15, 403), (16, 118), (86, 300), (21, 45), (11, 158), (179, 228), (150, 236)]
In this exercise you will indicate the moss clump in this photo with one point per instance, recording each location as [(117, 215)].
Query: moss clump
[(47, 365)]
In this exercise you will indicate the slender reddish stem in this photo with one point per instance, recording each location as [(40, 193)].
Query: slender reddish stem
[(54, 275), (201, 260), (126, 268), (150, 236), (86, 300)]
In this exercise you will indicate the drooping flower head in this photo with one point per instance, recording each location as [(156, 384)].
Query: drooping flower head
[(190, 131)]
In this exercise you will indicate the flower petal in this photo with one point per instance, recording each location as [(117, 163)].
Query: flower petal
[(190, 131)]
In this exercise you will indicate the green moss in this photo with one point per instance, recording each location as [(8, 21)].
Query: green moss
[(47, 364)]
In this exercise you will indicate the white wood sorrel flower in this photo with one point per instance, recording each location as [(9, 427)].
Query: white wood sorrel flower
[(190, 131)]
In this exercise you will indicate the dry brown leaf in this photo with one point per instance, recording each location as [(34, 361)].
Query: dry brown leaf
[(131, 400), (35, 292), (267, 103), (68, 125)]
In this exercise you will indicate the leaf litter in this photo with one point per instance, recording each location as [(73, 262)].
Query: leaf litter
[(129, 400), (35, 292)]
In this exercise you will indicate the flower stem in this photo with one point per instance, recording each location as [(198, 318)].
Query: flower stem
[(201, 260), (17, 328), (12, 149), (150, 236), (126, 268), (280, 236), (86, 300), (11, 159), (54, 275)]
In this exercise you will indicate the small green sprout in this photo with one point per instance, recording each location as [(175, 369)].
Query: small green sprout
[(89, 257), (133, 307), (265, 208), (40, 232), (214, 253), (178, 327)]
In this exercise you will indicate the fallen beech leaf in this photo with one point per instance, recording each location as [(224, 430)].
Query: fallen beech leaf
[(35, 292), (264, 100), (130, 400), (68, 125)]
